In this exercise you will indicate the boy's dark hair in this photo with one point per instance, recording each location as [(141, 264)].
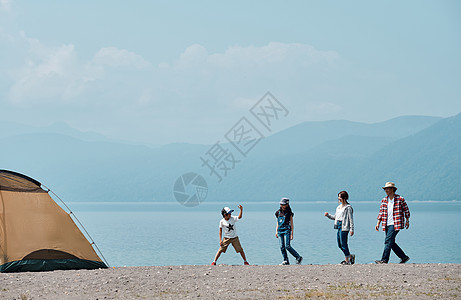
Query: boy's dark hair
[(344, 195), (223, 212)]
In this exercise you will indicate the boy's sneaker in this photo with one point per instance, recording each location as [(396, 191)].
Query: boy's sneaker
[(284, 263), (299, 260), (405, 260), (344, 263), (380, 262), (213, 263), (246, 263), (352, 259)]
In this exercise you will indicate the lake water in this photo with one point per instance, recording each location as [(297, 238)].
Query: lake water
[(148, 234)]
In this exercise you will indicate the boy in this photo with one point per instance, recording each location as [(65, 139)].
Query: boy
[(230, 235)]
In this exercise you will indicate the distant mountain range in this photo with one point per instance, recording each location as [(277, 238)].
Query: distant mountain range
[(311, 161)]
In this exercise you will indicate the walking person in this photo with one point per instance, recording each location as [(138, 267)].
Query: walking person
[(394, 215), (344, 223), (284, 231)]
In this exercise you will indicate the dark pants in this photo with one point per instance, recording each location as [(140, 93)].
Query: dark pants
[(342, 240), (285, 246), (389, 243)]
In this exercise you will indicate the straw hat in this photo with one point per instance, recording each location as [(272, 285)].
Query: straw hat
[(390, 185)]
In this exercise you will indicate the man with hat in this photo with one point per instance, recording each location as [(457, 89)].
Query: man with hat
[(394, 215)]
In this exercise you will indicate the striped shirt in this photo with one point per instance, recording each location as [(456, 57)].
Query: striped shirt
[(401, 212)]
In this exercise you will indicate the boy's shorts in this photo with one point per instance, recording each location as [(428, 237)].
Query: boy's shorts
[(235, 243)]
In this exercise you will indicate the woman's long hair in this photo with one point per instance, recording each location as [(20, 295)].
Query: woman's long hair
[(344, 195), (287, 209)]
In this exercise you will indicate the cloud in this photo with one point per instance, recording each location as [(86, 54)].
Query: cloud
[(114, 57), (145, 97), (219, 87), (322, 108), (5, 5), (232, 77), (238, 57), (56, 74), (196, 78), (50, 73), (194, 56), (271, 54), (243, 103)]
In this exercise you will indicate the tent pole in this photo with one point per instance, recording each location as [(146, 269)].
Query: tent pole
[(93, 243)]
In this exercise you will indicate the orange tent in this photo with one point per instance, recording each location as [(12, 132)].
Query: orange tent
[(36, 234)]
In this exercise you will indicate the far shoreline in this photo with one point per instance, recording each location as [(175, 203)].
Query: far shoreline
[(251, 202)]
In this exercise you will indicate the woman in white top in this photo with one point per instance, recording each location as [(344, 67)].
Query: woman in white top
[(344, 222)]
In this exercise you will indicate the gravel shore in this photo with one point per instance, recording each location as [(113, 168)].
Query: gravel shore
[(392, 281)]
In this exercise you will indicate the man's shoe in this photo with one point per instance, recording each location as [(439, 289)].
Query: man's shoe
[(405, 260), (352, 259), (213, 263), (246, 263), (380, 262), (284, 263), (299, 260)]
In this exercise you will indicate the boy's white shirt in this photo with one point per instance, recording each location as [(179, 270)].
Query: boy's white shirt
[(225, 226)]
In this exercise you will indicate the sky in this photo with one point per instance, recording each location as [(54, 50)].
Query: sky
[(161, 72)]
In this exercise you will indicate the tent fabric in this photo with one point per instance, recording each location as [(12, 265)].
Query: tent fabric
[(35, 232), (15, 182)]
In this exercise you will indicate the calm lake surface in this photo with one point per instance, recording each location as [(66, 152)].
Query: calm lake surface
[(147, 234)]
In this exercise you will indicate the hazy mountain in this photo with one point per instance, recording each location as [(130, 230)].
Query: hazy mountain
[(310, 161), (427, 164), (95, 171), (11, 129), (419, 163), (308, 135)]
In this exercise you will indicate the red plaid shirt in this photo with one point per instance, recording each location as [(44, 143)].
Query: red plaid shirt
[(400, 211)]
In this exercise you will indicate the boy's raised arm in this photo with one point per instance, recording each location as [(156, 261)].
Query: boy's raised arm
[(241, 211)]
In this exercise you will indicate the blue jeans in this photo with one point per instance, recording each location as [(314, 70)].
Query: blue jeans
[(342, 240), (389, 243), (284, 238)]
